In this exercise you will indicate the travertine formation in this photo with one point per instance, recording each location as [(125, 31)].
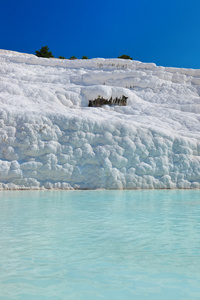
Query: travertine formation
[(50, 138)]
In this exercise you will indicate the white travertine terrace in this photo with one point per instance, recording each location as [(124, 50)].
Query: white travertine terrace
[(50, 138)]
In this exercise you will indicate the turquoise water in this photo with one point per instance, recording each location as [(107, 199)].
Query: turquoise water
[(88, 245)]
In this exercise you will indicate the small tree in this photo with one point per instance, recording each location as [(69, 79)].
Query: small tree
[(84, 57), (124, 56), (61, 57), (73, 57), (44, 52)]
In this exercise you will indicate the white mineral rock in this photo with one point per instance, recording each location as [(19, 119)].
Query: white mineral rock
[(50, 138)]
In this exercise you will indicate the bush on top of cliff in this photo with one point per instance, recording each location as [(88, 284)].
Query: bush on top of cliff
[(73, 57), (44, 52), (124, 56)]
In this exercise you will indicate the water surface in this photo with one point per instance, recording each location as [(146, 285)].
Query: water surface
[(88, 245)]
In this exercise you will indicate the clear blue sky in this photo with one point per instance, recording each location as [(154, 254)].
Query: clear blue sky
[(164, 32)]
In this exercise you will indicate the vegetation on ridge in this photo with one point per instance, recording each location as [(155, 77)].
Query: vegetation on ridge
[(124, 56), (44, 52)]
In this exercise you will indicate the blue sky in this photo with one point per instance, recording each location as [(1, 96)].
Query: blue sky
[(164, 32)]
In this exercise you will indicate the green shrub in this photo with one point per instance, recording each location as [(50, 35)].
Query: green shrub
[(73, 57), (44, 52), (84, 57), (61, 57), (124, 56)]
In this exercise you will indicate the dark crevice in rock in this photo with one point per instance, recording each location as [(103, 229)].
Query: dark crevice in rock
[(122, 101)]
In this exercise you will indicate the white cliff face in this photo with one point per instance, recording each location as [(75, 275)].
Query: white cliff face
[(50, 138)]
